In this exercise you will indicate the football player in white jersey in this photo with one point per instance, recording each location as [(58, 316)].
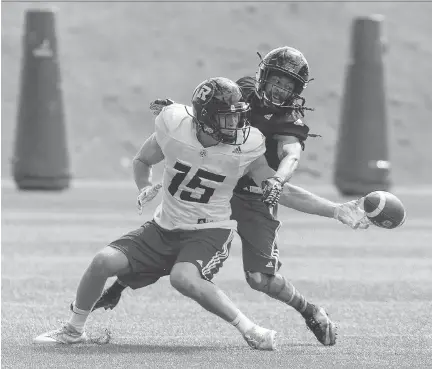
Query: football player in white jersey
[(206, 149)]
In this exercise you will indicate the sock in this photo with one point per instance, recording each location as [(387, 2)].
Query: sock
[(308, 311), (281, 289), (299, 302), (117, 287), (78, 318), (242, 323)]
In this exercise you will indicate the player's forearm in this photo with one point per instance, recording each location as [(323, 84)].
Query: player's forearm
[(299, 199), (287, 167), (148, 155), (142, 173)]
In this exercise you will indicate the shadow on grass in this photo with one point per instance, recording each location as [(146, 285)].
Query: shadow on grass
[(110, 349)]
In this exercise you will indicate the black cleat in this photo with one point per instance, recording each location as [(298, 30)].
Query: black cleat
[(322, 327), (108, 300)]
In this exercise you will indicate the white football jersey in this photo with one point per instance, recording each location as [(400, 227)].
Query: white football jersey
[(198, 182)]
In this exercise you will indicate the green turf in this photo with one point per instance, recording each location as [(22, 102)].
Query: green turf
[(374, 283), (116, 57)]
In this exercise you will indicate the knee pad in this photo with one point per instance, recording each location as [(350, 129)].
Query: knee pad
[(270, 284)]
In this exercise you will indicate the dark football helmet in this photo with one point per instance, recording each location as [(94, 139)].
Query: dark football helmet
[(286, 61), (219, 111)]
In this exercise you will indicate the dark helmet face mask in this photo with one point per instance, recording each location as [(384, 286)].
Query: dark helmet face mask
[(278, 90), (231, 127)]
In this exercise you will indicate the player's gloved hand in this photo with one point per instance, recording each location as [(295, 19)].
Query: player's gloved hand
[(272, 188), (351, 214), (147, 194), (157, 105)]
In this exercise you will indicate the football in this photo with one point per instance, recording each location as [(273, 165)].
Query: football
[(384, 209)]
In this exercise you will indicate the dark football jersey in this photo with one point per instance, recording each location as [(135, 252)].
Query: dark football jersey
[(269, 124)]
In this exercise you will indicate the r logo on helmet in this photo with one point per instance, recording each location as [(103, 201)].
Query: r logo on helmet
[(205, 93)]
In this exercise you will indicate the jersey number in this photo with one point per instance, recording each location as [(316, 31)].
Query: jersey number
[(194, 183)]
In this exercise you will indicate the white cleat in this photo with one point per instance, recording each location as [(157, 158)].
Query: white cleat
[(65, 335), (261, 338)]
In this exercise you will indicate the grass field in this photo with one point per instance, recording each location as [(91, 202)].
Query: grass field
[(376, 284)]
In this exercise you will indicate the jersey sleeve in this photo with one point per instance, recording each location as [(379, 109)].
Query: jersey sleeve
[(161, 130), (288, 125), (297, 129)]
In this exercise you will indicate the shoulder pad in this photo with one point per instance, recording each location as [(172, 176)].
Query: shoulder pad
[(287, 125), (168, 121)]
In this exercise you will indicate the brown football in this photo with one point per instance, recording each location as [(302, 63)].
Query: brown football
[(384, 209)]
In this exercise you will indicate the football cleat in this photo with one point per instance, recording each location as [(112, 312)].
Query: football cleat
[(322, 327), (261, 338), (65, 335), (108, 300)]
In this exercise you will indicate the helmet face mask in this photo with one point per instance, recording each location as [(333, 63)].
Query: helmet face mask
[(219, 111), (283, 62), (278, 89)]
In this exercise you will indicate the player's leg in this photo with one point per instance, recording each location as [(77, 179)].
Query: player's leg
[(105, 264), (258, 232), (196, 265), (134, 252)]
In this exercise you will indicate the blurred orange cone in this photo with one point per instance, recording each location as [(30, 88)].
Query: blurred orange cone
[(41, 159), (362, 158)]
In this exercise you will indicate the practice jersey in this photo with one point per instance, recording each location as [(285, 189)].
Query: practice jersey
[(198, 182), (269, 124)]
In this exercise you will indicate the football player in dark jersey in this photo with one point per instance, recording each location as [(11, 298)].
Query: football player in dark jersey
[(277, 108)]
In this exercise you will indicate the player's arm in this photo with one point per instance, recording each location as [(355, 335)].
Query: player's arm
[(293, 197), (349, 213), (299, 199), (148, 155), (289, 152), (259, 170)]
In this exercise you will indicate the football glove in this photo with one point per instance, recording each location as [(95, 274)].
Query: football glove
[(147, 194), (351, 214), (272, 188), (157, 105)]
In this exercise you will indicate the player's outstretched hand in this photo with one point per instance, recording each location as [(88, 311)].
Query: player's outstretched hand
[(272, 188), (351, 214), (147, 194), (157, 105)]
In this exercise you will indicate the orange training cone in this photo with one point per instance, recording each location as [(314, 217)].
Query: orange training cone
[(362, 158), (41, 159)]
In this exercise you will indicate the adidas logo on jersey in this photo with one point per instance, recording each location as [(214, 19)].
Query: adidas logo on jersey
[(268, 116), (270, 264), (299, 122), (200, 262), (237, 150)]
